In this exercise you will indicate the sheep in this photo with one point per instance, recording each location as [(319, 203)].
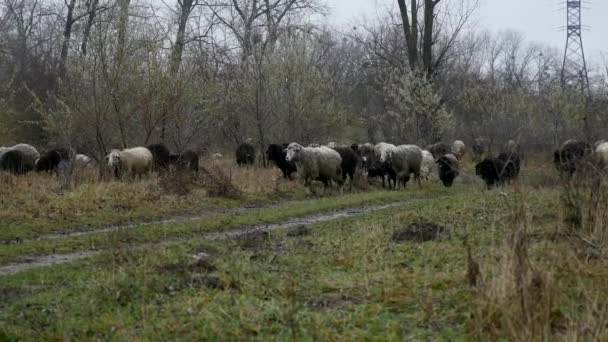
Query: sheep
[(458, 149), (497, 171), (378, 169), (366, 154), (27, 160), (276, 153), (512, 165), (428, 164), (601, 155), (12, 161), (217, 156), (448, 169), (161, 156), (50, 160), (187, 160), (404, 160), (480, 147), (132, 161), (245, 154), (348, 164), (438, 149), (82, 161), (567, 158), (314, 163)]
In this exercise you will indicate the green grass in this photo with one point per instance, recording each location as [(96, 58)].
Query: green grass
[(345, 280), (155, 233)]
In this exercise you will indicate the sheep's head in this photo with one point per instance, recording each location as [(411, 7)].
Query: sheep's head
[(293, 152), (113, 158), (386, 156)]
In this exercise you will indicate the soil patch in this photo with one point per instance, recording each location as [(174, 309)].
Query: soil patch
[(418, 232)]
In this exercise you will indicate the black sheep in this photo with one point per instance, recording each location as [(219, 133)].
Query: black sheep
[(50, 160), (439, 149), (497, 171), (511, 167), (378, 169), (13, 161), (448, 169), (568, 156), (489, 170), (187, 160), (276, 153), (349, 163), (245, 154), (161, 157)]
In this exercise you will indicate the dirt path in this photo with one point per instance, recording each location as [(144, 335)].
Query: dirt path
[(169, 220), (55, 259)]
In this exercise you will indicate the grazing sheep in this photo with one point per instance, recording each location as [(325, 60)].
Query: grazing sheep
[(448, 169), (161, 156), (276, 153), (245, 154), (497, 171), (50, 160), (81, 161), (458, 149), (12, 161), (569, 155), (131, 161), (187, 160), (29, 156), (378, 169), (438, 149), (428, 164), (404, 160), (314, 163), (217, 156), (348, 164), (481, 147)]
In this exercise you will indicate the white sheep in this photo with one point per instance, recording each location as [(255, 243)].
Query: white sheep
[(315, 163), (82, 161), (381, 147), (601, 154), (404, 160), (458, 149), (427, 166), (131, 161)]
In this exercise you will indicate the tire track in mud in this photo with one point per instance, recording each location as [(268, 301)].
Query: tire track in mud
[(56, 259), (83, 231)]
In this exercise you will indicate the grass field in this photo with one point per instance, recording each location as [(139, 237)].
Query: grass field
[(342, 279)]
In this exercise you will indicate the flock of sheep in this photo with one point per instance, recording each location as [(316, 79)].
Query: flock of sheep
[(331, 163), (393, 164)]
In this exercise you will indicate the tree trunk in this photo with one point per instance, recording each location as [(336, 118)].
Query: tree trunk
[(67, 35), (185, 8), (428, 39), (87, 29), (410, 31)]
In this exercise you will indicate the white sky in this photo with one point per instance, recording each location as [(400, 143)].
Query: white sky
[(539, 20)]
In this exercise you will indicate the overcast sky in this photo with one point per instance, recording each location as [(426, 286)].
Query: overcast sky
[(539, 20)]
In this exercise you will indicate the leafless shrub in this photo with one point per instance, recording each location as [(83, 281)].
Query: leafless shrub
[(217, 183)]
